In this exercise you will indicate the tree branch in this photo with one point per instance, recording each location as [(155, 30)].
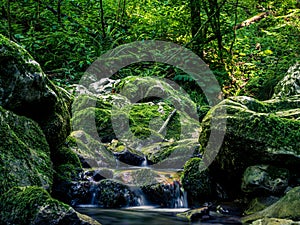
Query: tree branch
[(251, 20), (163, 127)]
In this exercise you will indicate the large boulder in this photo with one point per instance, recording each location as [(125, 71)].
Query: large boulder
[(197, 183), (33, 205), (91, 152), (288, 207), (113, 194), (265, 180), (29, 143), (146, 130), (274, 221), (98, 116), (25, 90), (24, 153), (256, 133)]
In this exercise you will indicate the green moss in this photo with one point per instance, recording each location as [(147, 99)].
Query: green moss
[(85, 146), (265, 126), (28, 92), (288, 207), (143, 88), (24, 153), (93, 120), (66, 165), (20, 204), (196, 182), (180, 150), (9, 49), (266, 136)]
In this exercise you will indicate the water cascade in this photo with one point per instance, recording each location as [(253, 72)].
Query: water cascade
[(145, 162)]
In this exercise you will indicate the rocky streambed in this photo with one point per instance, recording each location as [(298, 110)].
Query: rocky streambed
[(63, 149)]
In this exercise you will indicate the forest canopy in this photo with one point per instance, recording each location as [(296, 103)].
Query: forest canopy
[(249, 45)]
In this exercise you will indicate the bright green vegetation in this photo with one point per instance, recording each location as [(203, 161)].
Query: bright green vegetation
[(66, 37), (21, 205), (144, 119), (257, 132), (196, 182), (24, 153)]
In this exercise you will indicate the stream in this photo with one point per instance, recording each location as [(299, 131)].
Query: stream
[(147, 215), (147, 212)]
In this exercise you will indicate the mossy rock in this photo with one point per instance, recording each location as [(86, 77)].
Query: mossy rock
[(94, 116), (259, 203), (274, 221), (113, 194), (290, 84), (147, 89), (138, 125), (197, 182), (195, 214), (166, 195), (33, 205), (24, 153), (265, 179), (257, 132), (67, 167), (288, 207), (25, 90), (91, 152), (170, 155)]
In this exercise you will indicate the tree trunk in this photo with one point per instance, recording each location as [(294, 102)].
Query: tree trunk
[(9, 20), (59, 11), (196, 25), (102, 19)]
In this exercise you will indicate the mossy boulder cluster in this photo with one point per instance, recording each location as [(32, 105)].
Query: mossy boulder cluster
[(126, 133), (260, 154), (140, 123), (26, 91), (34, 122), (256, 133)]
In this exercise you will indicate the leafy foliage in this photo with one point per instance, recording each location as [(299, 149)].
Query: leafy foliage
[(65, 37)]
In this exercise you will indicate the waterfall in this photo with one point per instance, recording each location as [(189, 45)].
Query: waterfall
[(117, 163), (141, 198), (93, 201), (145, 162), (93, 190), (180, 196), (185, 201)]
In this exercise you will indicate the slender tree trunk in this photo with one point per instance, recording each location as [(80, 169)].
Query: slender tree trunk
[(59, 11), (9, 19), (118, 11), (235, 23), (196, 24), (215, 23), (123, 10), (102, 19)]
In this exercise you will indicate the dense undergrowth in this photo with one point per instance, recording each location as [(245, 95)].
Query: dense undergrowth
[(65, 37)]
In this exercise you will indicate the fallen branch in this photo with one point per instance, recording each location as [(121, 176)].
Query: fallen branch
[(163, 127), (252, 20)]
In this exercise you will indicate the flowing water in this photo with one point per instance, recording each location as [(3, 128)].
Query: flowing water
[(147, 215)]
